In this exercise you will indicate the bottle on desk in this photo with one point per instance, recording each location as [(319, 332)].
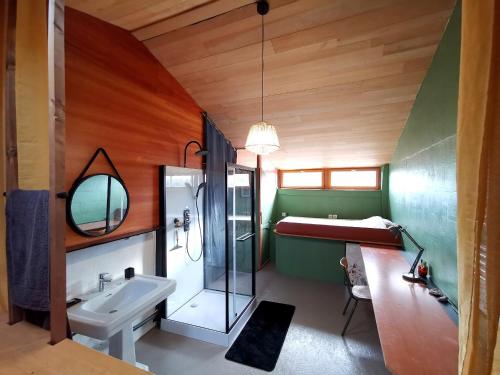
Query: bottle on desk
[(423, 269)]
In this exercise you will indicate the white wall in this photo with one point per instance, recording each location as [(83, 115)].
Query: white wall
[(83, 266), (181, 185)]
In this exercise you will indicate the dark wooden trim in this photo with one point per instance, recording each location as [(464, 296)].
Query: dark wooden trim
[(279, 177), (11, 180), (110, 239), (332, 239), (57, 136), (11, 168)]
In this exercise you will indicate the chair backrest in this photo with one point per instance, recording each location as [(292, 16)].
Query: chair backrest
[(345, 267)]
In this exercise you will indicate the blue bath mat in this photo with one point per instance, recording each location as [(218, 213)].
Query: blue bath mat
[(259, 343)]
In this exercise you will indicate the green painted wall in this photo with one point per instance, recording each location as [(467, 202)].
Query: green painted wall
[(422, 183), (310, 258), (319, 203), (346, 204), (268, 187)]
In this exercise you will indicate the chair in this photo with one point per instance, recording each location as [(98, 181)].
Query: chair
[(356, 292)]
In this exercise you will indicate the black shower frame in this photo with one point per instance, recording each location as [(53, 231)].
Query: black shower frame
[(161, 269), (252, 170)]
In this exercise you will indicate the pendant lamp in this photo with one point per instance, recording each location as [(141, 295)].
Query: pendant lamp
[(262, 138)]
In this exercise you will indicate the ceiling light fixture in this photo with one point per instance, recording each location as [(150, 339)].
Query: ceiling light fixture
[(262, 138)]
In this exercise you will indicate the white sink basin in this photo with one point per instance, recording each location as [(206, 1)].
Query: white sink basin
[(109, 314)]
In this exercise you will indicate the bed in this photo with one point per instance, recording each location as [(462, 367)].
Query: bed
[(311, 248), (371, 230)]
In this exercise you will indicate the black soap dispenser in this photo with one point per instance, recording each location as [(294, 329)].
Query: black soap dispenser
[(129, 273)]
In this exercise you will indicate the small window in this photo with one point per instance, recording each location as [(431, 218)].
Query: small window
[(302, 179), (331, 178), (356, 179)]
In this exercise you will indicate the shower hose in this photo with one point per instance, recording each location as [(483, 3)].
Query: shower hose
[(199, 227)]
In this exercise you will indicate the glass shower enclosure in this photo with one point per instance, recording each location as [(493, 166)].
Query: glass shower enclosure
[(215, 279), (240, 241)]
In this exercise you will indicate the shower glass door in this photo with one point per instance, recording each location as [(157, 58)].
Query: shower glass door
[(240, 232)]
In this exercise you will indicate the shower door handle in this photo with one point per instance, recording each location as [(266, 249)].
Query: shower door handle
[(245, 236)]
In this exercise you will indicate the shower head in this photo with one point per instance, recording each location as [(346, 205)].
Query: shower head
[(200, 152), (203, 152)]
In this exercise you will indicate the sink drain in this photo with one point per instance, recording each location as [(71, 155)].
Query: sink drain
[(112, 311), (194, 305)]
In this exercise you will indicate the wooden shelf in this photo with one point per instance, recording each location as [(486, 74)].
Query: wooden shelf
[(106, 239), (416, 332)]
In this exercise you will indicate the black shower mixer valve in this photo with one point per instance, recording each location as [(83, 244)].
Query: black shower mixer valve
[(187, 219)]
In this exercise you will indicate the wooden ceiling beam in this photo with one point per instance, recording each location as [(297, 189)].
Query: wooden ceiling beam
[(133, 14), (202, 13)]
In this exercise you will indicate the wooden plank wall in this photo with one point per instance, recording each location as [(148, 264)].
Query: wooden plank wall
[(57, 206), (32, 108), (11, 165), (119, 97), (132, 14), (3, 254)]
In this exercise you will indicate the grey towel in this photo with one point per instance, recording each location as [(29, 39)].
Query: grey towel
[(27, 213)]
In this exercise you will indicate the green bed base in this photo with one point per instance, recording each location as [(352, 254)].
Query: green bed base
[(310, 258)]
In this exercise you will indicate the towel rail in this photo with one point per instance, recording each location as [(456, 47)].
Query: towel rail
[(245, 236)]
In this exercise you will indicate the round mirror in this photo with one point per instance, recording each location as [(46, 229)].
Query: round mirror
[(98, 205)]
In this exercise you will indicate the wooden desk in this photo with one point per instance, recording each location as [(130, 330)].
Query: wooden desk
[(24, 349), (416, 333)]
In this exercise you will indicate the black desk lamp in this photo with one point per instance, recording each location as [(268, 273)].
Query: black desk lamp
[(410, 276)]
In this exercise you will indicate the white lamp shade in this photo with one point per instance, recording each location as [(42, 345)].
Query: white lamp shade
[(262, 139)]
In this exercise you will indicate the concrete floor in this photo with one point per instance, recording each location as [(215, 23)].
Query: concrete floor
[(313, 344)]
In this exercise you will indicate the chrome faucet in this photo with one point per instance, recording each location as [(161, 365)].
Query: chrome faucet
[(104, 277)]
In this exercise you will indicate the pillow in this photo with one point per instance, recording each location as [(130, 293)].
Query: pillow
[(386, 222)]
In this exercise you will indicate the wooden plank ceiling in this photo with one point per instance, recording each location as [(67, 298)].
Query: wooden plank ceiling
[(341, 76)]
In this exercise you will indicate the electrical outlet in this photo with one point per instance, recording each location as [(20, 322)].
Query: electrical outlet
[(283, 214), (330, 216)]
